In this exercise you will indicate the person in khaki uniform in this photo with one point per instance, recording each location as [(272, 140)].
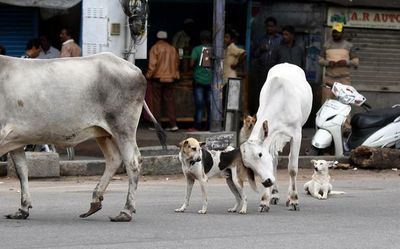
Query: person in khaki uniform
[(338, 57), (234, 55), (163, 70)]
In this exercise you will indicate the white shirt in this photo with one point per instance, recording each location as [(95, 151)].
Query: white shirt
[(50, 54)]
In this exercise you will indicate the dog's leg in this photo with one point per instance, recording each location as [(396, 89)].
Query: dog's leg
[(316, 192), (307, 188), (235, 192), (243, 198), (203, 181), (189, 187), (325, 190), (265, 200)]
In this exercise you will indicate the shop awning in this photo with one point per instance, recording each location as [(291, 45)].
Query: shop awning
[(51, 4)]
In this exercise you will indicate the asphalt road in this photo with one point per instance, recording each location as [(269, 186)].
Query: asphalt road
[(367, 216)]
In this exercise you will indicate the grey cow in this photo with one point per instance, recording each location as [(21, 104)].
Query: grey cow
[(67, 101)]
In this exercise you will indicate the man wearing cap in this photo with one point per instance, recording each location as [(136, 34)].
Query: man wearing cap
[(163, 70), (338, 57)]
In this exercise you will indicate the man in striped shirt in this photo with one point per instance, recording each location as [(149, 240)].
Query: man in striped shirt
[(338, 57)]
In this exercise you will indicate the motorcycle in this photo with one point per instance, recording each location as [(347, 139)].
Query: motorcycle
[(376, 128)]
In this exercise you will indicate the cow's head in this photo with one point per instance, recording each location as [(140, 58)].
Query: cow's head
[(257, 157)]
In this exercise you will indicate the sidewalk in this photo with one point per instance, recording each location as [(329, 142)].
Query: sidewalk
[(89, 159)]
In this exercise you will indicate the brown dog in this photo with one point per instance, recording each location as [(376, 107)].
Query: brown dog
[(245, 131)]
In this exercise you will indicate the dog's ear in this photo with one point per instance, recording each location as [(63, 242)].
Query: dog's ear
[(202, 144), (313, 161), (255, 118), (183, 143)]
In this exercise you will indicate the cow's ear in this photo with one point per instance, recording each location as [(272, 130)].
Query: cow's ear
[(265, 128)]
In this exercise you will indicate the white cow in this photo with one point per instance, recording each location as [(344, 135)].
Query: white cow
[(285, 104), (67, 101)]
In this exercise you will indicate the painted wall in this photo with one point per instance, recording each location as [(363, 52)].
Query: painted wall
[(97, 19)]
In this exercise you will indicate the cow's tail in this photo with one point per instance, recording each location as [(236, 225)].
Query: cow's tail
[(162, 137)]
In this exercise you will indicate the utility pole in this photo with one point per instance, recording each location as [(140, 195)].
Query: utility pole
[(218, 72)]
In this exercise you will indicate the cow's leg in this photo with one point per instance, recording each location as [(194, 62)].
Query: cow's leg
[(265, 200), (113, 162), (293, 198), (131, 158), (19, 159), (274, 191)]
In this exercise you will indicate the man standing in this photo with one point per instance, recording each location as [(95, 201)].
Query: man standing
[(264, 57), (338, 57), (48, 51), (234, 55), (202, 77), (289, 51), (163, 70), (69, 47)]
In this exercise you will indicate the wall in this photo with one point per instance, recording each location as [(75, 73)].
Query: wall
[(97, 17)]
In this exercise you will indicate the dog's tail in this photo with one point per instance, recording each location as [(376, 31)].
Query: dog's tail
[(337, 193)]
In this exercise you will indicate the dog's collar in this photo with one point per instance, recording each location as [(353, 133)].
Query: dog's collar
[(192, 162)]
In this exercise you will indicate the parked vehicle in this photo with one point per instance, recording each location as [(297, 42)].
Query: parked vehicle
[(376, 128)]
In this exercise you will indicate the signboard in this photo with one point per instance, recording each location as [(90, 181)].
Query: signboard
[(364, 18)]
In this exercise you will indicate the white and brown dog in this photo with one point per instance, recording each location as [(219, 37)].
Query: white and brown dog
[(245, 131), (319, 187), (200, 164)]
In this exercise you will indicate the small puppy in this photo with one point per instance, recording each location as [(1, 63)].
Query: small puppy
[(245, 131), (319, 187), (200, 164)]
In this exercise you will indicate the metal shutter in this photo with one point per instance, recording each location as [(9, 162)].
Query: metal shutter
[(17, 26), (379, 53)]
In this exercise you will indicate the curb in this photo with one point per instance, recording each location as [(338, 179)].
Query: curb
[(155, 165)]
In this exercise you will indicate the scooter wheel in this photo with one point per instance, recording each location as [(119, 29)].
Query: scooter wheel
[(313, 151)]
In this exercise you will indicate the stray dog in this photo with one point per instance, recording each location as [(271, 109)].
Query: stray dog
[(319, 187), (245, 131), (200, 164)]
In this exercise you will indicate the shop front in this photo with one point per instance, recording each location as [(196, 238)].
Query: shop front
[(375, 34)]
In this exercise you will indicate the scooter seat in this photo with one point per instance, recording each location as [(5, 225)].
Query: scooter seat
[(375, 118)]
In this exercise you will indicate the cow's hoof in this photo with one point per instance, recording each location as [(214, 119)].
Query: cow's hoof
[(232, 210), (274, 201), (292, 206), (263, 208), (122, 217), (243, 212), (94, 207), (19, 215)]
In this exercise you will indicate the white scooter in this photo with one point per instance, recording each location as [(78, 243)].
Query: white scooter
[(377, 128)]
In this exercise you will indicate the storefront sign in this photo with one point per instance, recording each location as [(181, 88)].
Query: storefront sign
[(365, 18)]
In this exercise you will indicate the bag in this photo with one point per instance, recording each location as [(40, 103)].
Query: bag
[(205, 57)]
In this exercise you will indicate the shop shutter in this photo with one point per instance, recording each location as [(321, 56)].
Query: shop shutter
[(379, 53), (17, 26)]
